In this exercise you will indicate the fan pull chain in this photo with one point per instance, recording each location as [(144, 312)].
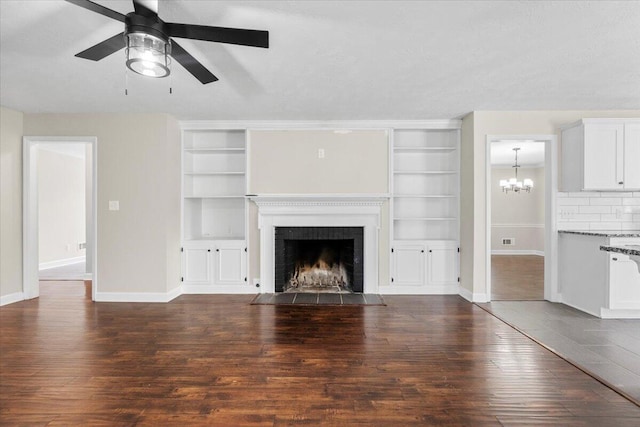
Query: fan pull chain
[(170, 84), (126, 81)]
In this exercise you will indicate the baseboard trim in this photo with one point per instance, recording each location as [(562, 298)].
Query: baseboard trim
[(61, 262), (472, 297), (516, 252), (11, 298), (619, 313), (219, 289), (138, 296), (419, 290)]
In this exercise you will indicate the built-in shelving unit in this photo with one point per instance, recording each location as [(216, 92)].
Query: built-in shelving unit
[(425, 206), (214, 184), (425, 184), (214, 210)]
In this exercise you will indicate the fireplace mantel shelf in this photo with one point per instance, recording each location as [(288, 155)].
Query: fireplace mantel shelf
[(319, 199)]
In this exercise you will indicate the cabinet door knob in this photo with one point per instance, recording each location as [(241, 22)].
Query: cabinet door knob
[(430, 251), (217, 250), (208, 250), (621, 182), (423, 251), (615, 259)]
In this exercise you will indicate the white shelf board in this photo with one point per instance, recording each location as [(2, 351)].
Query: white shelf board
[(424, 196), (398, 149), (425, 219), (217, 150), (419, 172), (214, 173), (211, 196), (205, 238)]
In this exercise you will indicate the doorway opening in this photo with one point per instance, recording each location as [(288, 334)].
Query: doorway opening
[(59, 201), (521, 236)]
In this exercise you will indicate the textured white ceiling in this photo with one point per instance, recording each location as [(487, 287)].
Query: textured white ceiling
[(336, 60)]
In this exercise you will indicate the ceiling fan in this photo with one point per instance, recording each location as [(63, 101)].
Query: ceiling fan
[(149, 40)]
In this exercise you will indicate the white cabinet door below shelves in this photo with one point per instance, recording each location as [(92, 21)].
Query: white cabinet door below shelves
[(230, 263), (197, 264), (408, 262), (442, 265)]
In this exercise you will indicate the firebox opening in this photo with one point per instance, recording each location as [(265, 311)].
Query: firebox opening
[(319, 266), (319, 259)]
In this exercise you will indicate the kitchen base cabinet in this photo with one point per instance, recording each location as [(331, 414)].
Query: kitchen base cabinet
[(604, 284)]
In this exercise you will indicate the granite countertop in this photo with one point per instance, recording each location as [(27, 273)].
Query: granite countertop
[(604, 233), (625, 249)]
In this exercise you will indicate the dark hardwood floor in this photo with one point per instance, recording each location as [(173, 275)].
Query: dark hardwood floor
[(517, 277), (217, 360)]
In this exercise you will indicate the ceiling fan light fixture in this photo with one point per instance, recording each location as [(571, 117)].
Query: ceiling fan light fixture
[(148, 55)]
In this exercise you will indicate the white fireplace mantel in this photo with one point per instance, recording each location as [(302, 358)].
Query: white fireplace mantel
[(319, 210)]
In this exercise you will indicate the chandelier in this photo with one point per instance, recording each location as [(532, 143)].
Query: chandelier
[(513, 184)]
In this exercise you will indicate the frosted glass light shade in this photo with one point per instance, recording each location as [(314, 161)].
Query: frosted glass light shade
[(148, 55)]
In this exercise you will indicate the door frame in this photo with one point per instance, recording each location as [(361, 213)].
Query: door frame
[(550, 220), (30, 235)]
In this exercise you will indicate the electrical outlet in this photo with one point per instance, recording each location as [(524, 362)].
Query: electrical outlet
[(321, 153), (114, 205), (508, 241), (618, 211)]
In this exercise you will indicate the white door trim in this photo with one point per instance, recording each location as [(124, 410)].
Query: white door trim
[(550, 221), (30, 285)]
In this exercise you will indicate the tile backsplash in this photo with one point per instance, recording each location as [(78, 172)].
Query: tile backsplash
[(598, 211)]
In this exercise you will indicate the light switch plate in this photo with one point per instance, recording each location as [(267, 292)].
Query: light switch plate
[(114, 205)]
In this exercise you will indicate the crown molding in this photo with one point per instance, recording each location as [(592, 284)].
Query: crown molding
[(320, 125)]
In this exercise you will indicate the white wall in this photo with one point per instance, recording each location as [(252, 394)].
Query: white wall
[(61, 206), (138, 165), (11, 124), (286, 162), (473, 174), (517, 215)]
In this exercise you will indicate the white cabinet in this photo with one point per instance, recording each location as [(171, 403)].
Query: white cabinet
[(442, 264), (624, 283), (408, 264), (197, 263), (604, 284), (215, 266), (214, 211), (427, 267), (601, 154), (230, 263)]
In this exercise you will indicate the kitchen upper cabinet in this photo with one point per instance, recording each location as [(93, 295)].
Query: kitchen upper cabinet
[(601, 155)]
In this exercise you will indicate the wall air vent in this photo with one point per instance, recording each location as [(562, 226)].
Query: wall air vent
[(508, 241)]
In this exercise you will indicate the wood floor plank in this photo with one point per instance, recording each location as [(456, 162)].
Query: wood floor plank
[(217, 360), (517, 277)]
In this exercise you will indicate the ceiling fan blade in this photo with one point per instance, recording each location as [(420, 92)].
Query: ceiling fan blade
[(255, 38), (104, 48), (148, 8), (191, 64), (98, 9)]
